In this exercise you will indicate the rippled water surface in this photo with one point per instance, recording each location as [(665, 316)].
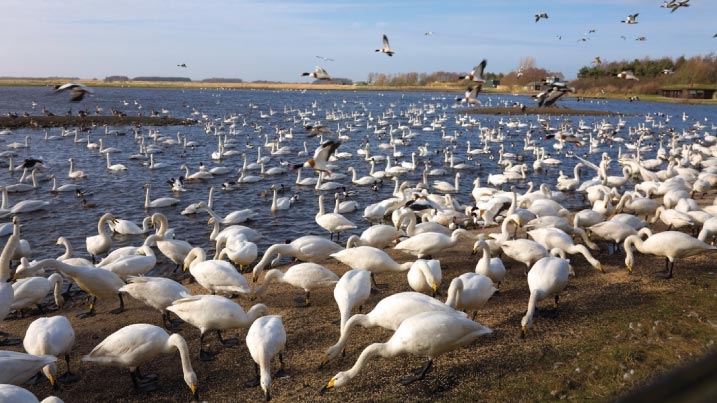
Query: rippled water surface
[(258, 116)]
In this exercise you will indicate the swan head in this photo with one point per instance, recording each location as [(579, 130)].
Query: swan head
[(338, 380), (525, 324)]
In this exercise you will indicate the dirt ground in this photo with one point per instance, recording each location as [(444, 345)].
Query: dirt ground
[(614, 332)]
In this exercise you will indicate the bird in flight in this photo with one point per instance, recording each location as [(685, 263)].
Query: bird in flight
[(326, 59), (640, 38), (477, 74), (675, 4), (540, 15), (428, 33), (321, 157), (627, 75), (597, 60), (319, 73), (182, 65), (385, 48), (631, 19), (315, 130), (77, 91), (471, 94)]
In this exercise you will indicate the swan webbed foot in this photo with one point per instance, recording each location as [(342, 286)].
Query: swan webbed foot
[(68, 377), (117, 311), (301, 302), (664, 275), (10, 342), (252, 383), (227, 342), (419, 373), (205, 355), (281, 373), (87, 314)]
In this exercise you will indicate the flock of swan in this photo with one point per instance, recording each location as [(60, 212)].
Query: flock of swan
[(411, 231)]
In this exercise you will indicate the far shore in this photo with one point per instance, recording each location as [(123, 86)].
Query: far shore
[(451, 88)]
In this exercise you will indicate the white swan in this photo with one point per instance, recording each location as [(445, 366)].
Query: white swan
[(241, 252), (75, 174), (202, 174), (158, 202), (117, 254), (114, 167), (102, 242), (175, 250), (138, 344), (370, 258), (547, 278), (214, 312), (307, 276), (308, 248), (156, 292), (7, 294), (266, 339), (17, 394), (379, 236), (449, 332), (24, 187), (362, 181), (428, 243), (102, 284), (51, 336), (127, 227), (279, 203), (217, 276), (425, 276), (673, 245), (525, 251), (470, 291), (332, 222), (491, 267), (304, 181), (557, 238), (138, 264), (17, 368), (66, 187), (31, 291), (445, 187), (388, 314), (235, 217), (352, 289), (414, 229), (195, 207)]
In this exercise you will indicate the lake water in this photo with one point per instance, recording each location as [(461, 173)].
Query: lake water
[(258, 115)]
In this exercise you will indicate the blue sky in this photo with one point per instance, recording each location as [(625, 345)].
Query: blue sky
[(278, 40)]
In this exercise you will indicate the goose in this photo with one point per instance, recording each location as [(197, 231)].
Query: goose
[(470, 291), (17, 368), (175, 250), (449, 332), (279, 203), (138, 264), (51, 336), (370, 258), (425, 276), (379, 236), (195, 207), (127, 227), (321, 157), (492, 268), (673, 245), (308, 248), (102, 242), (138, 344), (428, 243), (320, 74), (31, 291), (102, 284), (217, 276), (352, 289), (234, 217), (308, 276), (385, 48), (156, 292), (266, 339), (158, 202), (547, 278), (557, 238), (332, 222), (214, 312), (114, 167), (388, 314), (17, 394), (362, 181)]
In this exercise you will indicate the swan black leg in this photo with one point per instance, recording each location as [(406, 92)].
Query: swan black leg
[(254, 382), (91, 312), (121, 307), (419, 373), (68, 377), (204, 355), (228, 342)]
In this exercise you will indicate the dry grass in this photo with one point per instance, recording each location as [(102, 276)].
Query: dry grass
[(614, 331)]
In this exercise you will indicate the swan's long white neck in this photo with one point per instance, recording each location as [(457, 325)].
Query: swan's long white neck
[(454, 292), (7, 252), (178, 342)]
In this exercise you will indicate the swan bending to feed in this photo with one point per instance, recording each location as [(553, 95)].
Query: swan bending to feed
[(449, 332), (307, 276), (51, 336), (139, 344), (673, 245), (266, 339)]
